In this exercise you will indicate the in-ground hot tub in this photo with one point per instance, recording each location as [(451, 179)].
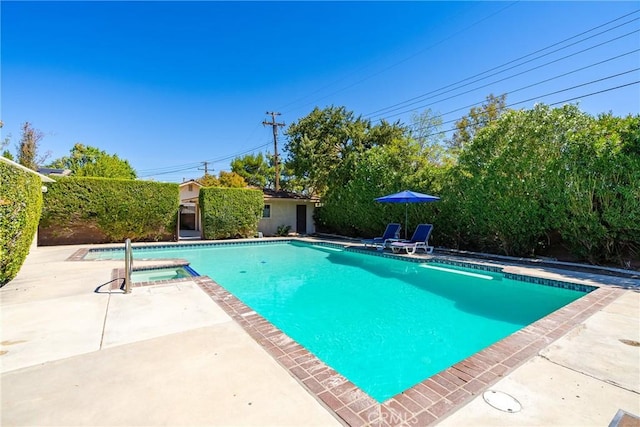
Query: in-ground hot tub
[(162, 273)]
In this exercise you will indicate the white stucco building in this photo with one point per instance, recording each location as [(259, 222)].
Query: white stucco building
[(190, 218), (281, 209), (287, 209)]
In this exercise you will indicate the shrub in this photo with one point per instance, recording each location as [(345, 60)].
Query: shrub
[(100, 210), (350, 209), (544, 181), (230, 212), (602, 197), (283, 230), (20, 208)]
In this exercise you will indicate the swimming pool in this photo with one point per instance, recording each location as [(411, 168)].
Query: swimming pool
[(384, 323)]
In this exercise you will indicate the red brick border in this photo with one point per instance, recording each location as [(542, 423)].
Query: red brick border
[(117, 275), (432, 399), (78, 255)]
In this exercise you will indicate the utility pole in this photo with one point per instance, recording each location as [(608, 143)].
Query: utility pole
[(206, 168), (275, 125)]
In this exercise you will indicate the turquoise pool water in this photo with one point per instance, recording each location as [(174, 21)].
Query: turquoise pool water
[(385, 324), (166, 273)]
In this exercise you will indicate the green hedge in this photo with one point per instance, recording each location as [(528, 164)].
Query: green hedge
[(230, 212), (100, 210), (552, 182), (20, 208)]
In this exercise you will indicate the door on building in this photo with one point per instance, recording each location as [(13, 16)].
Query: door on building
[(188, 217), (301, 219)]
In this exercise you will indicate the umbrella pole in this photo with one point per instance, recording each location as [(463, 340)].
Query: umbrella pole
[(406, 222)]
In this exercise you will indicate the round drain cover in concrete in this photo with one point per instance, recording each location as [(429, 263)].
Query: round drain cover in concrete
[(502, 401)]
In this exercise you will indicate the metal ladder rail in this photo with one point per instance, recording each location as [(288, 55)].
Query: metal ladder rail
[(128, 265)]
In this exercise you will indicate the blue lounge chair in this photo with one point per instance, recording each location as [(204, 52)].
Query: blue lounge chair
[(390, 234), (419, 240)]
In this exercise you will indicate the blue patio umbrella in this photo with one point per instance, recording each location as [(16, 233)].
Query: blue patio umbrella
[(407, 197)]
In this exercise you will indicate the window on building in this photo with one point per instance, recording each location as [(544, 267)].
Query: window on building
[(266, 212), (190, 187)]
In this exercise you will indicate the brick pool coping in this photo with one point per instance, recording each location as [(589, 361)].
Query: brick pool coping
[(425, 403), (118, 274), (432, 399)]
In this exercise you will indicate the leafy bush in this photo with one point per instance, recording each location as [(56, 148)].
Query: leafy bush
[(283, 230), (543, 181), (543, 177), (507, 190), (230, 212), (100, 210), (20, 208), (601, 203), (351, 210)]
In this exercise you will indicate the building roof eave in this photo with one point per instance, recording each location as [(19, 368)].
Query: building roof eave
[(286, 195), (191, 181), (43, 178)]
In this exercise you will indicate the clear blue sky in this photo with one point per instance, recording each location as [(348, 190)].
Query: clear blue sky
[(167, 85)]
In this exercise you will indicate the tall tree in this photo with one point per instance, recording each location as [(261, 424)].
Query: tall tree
[(255, 170), (231, 180), (209, 180), (324, 145), (426, 130), (85, 160), (318, 143), (28, 147), (479, 117), (7, 155), (349, 209), (4, 143)]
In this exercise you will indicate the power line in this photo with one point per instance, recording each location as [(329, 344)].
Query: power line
[(533, 98), (596, 93), (520, 58), (232, 156), (527, 100), (394, 64), (193, 164), (425, 96), (573, 71), (506, 106), (169, 170), (515, 75)]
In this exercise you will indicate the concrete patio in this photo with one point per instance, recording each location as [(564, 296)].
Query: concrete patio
[(163, 355), (169, 355)]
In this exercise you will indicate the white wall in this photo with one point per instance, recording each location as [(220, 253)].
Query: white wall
[(283, 212), (186, 194)]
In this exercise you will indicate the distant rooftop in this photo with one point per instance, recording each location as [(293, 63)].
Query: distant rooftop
[(286, 195), (54, 171)]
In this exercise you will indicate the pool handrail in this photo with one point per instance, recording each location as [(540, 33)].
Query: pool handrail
[(128, 265)]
